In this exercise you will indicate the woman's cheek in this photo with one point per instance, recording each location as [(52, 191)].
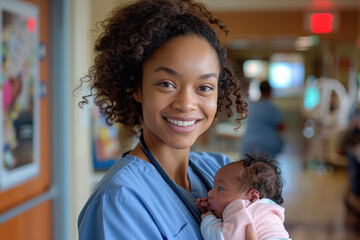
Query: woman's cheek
[(212, 107)]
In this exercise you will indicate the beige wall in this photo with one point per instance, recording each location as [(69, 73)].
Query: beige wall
[(99, 11), (84, 15), (81, 155)]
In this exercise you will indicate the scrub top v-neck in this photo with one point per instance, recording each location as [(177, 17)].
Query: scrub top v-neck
[(198, 189), (183, 196)]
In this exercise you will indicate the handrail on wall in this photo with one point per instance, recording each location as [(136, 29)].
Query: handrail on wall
[(13, 212)]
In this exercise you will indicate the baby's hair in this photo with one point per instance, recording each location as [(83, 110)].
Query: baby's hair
[(263, 174), (130, 37)]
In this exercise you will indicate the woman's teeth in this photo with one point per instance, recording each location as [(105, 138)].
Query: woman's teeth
[(181, 123)]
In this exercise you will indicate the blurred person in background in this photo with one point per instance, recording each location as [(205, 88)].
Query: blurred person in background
[(264, 125)]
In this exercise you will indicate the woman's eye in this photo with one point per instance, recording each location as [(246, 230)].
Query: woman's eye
[(206, 88), (166, 85), (220, 189)]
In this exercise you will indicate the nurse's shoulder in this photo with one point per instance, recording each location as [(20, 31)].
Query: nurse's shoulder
[(209, 161), (126, 172)]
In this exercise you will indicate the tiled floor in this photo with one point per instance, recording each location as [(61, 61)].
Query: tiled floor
[(314, 200)]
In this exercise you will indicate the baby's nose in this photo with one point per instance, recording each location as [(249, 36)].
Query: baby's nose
[(210, 193)]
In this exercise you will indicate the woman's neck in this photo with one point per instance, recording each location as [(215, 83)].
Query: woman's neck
[(173, 161)]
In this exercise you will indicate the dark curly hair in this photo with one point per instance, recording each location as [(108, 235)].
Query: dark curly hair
[(131, 34), (263, 174)]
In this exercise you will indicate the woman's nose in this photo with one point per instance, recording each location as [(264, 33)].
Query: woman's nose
[(185, 100)]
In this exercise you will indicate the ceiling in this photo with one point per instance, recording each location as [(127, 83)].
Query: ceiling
[(250, 5), (271, 5)]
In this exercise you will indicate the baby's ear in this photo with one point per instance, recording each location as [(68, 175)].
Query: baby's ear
[(254, 195)]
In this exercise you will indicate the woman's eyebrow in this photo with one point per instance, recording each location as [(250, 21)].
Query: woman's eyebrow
[(174, 73), (208, 75), (167, 70)]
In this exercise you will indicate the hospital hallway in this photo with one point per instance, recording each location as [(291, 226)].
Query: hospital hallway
[(313, 197), (55, 149), (314, 201)]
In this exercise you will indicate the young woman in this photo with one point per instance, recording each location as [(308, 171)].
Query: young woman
[(158, 65)]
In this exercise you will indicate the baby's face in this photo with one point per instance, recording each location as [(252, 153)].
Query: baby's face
[(226, 189)]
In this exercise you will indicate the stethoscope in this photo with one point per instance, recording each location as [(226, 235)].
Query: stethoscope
[(167, 179)]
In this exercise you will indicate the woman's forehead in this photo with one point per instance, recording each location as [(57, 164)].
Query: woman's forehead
[(185, 53), (184, 42)]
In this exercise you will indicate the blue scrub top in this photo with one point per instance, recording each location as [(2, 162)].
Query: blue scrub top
[(132, 201)]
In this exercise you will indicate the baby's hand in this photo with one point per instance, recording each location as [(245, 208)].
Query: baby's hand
[(205, 214), (202, 204)]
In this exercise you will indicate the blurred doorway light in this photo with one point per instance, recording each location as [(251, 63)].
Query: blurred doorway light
[(286, 73), (255, 68), (303, 43)]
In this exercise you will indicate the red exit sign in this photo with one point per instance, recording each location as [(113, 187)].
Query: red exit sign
[(322, 22)]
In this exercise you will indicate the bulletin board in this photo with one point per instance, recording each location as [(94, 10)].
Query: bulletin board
[(19, 93)]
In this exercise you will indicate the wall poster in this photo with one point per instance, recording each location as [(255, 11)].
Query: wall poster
[(109, 143), (105, 142), (19, 97)]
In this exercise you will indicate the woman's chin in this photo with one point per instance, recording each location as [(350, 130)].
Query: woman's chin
[(181, 145)]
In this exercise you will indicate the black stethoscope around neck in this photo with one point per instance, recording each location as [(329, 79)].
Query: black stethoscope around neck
[(167, 179)]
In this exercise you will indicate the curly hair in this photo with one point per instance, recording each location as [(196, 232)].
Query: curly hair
[(263, 174), (130, 36)]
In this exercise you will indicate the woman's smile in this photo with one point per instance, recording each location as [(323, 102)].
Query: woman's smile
[(181, 123), (181, 126)]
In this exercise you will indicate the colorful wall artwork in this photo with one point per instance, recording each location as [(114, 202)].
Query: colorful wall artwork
[(109, 143), (19, 97)]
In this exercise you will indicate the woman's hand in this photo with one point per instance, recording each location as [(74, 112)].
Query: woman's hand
[(251, 232)]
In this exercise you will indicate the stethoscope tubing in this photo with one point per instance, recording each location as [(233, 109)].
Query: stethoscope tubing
[(167, 179)]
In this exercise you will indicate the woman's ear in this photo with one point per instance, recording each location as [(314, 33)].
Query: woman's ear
[(254, 195), (137, 95)]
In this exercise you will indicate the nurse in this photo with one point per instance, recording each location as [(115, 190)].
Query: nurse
[(158, 66)]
